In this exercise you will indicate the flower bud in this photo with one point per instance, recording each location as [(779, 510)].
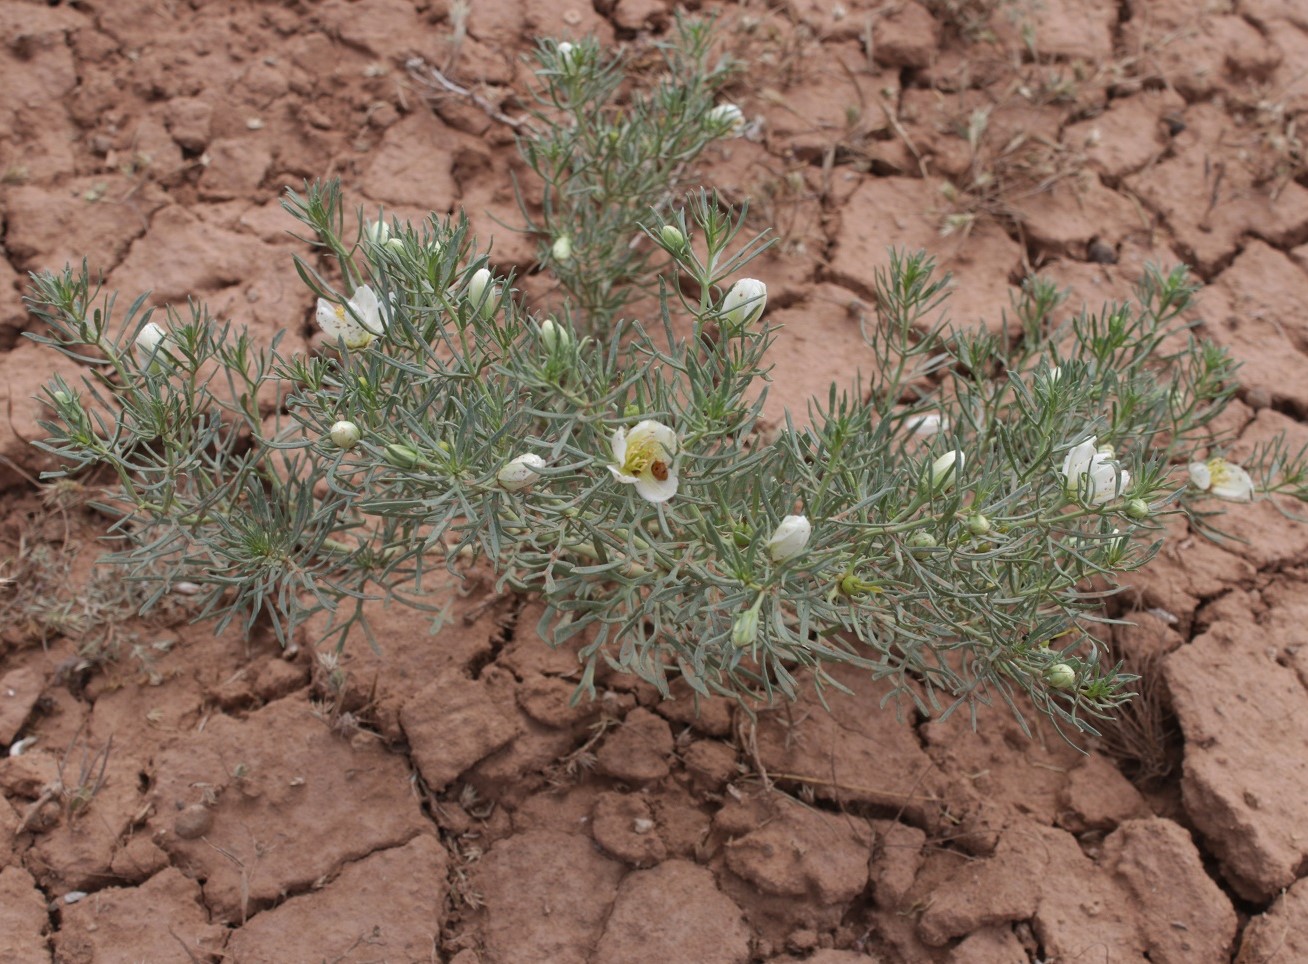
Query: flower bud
[(61, 397), (377, 232), (570, 56), (922, 540), (727, 118), (481, 293), (345, 435), (942, 474), (977, 524), (790, 538), (745, 301), (402, 456), (561, 250), (744, 629), (672, 237), (1137, 508), (1061, 676), (150, 338), (520, 472), (853, 585), (395, 244), (554, 337)]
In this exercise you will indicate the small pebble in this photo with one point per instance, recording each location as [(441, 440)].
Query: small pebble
[(1101, 253), (193, 822)]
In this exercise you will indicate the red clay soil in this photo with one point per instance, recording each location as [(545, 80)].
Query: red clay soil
[(442, 800)]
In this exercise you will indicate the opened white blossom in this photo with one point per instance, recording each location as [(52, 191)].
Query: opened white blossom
[(790, 538), (1224, 479), (1091, 471), (345, 434), (644, 458), (728, 117), (518, 473), (358, 324), (745, 301)]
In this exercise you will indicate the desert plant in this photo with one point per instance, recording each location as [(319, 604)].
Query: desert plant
[(951, 525)]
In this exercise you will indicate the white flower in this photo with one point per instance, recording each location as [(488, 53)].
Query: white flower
[(644, 457), (561, 249), (927, 425), (744, 302), (944, 470), (1090, 471), (790, 538), (728, 117), (1224, 479), (356, 325), (481, 293), (345, 434), (518, 473), (150, 339)]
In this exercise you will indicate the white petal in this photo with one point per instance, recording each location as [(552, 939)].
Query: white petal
[(620, 445), (656, 490), (1231, 482), (1078, 461), (1200, 477), (368, 310), (651, 430)]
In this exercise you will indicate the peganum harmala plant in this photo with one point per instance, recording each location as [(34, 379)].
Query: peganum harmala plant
[(951, 525)]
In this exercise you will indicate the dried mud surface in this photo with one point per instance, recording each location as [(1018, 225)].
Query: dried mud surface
[(442, 801)]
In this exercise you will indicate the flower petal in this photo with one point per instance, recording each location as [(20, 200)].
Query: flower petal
[(368, 310), (1231, 481), (655, 490)]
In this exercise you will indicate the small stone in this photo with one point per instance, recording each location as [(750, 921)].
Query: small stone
[(1101, 253), (193, 822)]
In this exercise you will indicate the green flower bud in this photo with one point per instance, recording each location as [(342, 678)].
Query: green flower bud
[(922, 540), (377, 232), (345, 435), (744, 630), (977, 524), (672, 237), (402, 456), (852, 585), (61, 397), (1137, 508), (1061, 676)]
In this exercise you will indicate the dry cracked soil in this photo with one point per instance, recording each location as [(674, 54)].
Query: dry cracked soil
[(449, 803)]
